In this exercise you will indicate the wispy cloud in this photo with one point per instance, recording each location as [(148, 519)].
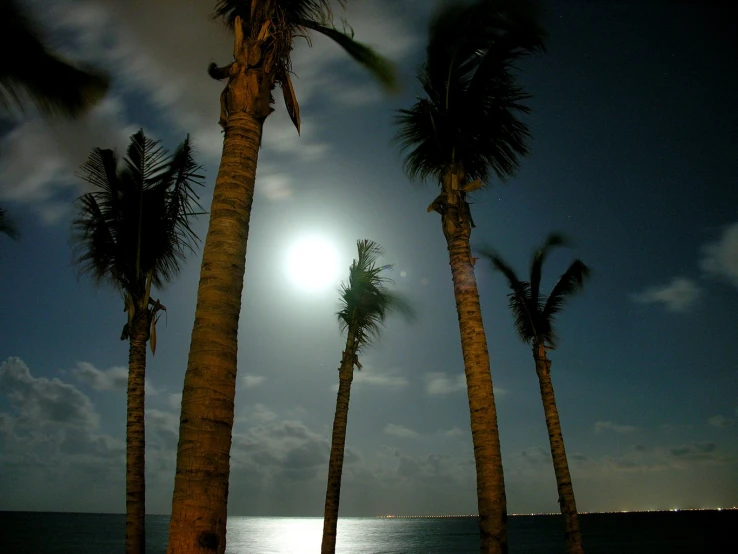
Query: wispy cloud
[(439, 383), (720, 258), (114, 378), (679, 295), (400, 431), (250, 381), (379, 379), (721, 421), (602, 426)]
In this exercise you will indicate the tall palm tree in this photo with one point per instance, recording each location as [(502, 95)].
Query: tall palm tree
[(30, 71), (132, 232), (263, 31), (463, 130), (534, 317), (365, 303)]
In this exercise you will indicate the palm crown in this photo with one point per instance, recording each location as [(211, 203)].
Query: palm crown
[(271, 25), (365, 300), (468, 117), (533, 311), (134, 230)]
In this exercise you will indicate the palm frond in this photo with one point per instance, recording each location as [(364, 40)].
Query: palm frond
[(552, 241), (7, 225), (136, 222), (533, 313), (468, 117), (291, 10), (570, 282), (381, 68), (365, 299), (521, 303), (30, 71)]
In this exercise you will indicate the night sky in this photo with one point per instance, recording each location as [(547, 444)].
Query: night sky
[(634, 130)]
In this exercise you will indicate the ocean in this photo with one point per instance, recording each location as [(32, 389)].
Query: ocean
[(685, 532)]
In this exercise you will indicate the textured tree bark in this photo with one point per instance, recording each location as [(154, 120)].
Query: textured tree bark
[(492, 503), (338, 443), (558, 452), (136, 435), (199, 503)]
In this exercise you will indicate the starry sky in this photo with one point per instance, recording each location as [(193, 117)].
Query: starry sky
[(633, 157)]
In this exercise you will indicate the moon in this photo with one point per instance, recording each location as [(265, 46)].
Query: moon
[(312, 263)]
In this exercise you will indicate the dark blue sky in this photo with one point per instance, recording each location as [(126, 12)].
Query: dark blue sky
[(634, 128)]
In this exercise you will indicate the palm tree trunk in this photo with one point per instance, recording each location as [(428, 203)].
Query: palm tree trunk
[(491, 500), (199, 503), (338, 443), (558, 452), (136, 436)]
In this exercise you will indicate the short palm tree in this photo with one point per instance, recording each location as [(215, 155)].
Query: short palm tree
[(29, 70), (264, 31), (464, 129), (534, 317), (133, 231), (365, 303)]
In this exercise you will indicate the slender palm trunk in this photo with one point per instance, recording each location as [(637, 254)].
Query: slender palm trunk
[(558, 452), (199, 503), (491, 500), (136, 436), (338, 443)]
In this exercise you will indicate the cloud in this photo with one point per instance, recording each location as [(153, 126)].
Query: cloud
[(252, 381), (679, 295), (453, 432), (379, 379), (165, 73), (694, 450), (720, 258), (115, 378), (400, 431), (536, 455), (38, 401), (174, 401), (721, 421), (439, 383), (48, 182), (602, 426)]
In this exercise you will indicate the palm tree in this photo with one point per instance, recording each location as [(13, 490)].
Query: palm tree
[(461, 131), (132, 232), (29, 70), (365, 303), (534, 317), (263, 38)]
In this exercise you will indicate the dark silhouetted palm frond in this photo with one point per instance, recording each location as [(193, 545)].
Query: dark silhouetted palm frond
[(468, 117), (29, 70), (365, 299), (136, 224), (533, 312), (7, 226)]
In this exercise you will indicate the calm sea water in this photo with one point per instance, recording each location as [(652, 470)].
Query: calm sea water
[(708, 532)]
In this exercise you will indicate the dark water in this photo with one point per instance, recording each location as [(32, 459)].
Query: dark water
[(705, 532)]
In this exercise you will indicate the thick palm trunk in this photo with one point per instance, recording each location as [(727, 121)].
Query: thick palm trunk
[(199, 503), (136, 436), (338, 443), (492, 504), (558, 452)]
